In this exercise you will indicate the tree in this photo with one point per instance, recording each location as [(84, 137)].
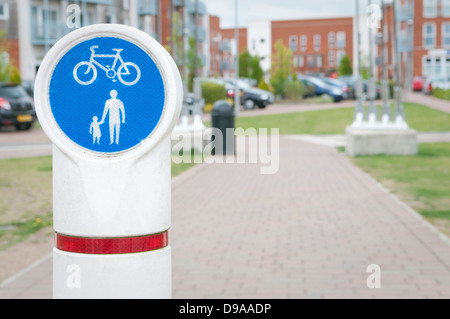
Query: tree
[(249, 66), (345, 67), (193, 62), (8, 72), (281, 68)]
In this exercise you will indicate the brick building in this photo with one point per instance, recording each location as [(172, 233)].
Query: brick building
[(431, 51), (317, 45)]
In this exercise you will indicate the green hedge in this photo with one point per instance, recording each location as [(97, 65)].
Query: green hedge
[(213, 92), (441, 93)]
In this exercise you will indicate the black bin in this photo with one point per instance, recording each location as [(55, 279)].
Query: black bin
[(222, 118)]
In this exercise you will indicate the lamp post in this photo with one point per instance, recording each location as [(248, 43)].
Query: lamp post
[(372, 107), (359, 109), (236, 73)]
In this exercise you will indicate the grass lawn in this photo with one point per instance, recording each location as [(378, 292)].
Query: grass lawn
[(26, 202), (419, 117), (422, 181)]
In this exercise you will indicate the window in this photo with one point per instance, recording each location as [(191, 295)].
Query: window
[(339, 55), (331, 60), (303, 43), (38, 25), (429, 8), (446, 8), (316, 42), (435, 66), (447, 67), (426, 67), (331, 40), (340, 40), (319, 61), (446, 34), (429, 35), (301, 61), (293, 43), (4, 11), (311, 61)]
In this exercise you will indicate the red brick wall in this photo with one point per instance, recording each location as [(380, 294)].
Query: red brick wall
[(229, 34), (12, 47), (283, 30)]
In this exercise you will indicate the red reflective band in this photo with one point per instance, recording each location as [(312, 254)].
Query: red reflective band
[(105, 246)]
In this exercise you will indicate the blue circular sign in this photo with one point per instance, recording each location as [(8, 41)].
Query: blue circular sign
[(107, 95)]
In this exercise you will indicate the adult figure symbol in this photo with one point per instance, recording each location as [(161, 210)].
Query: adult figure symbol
[(114, 107)]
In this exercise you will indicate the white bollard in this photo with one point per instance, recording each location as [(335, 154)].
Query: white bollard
[(108, 96)]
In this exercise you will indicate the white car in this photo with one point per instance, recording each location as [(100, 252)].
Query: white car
[(433, 83)]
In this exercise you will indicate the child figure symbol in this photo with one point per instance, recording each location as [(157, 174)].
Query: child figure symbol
[(95, 130)]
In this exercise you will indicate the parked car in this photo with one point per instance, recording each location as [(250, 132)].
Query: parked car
[(16, 107), (310, 89), (250, 96), (321, 88), (433, 83), (418, 82), (348, 92), (350, 80)]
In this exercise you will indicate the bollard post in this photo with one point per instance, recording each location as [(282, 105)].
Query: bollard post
[(108, 97)]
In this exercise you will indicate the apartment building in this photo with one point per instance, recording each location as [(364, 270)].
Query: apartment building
[(432, 38), (32, 27), (317, 45)]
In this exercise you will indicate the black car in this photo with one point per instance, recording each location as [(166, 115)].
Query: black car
[(16, 107), (350, 81), (250, 96), (347, 90)]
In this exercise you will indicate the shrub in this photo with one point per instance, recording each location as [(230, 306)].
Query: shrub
[(213, 92), (294, 90), (263, 85)]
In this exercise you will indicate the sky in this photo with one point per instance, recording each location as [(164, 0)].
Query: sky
[(249, 10)]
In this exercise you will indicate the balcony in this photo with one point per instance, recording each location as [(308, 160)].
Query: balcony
[(178, 3), (105, 2), (148, 7), (224, 46), (55, 32), (405, 12), (201, 33), (194, 7)]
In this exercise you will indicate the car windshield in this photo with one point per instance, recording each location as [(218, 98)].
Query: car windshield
[(12, 92), (318, 82)]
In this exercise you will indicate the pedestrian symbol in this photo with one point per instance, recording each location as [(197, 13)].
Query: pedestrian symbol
[(125, 102)]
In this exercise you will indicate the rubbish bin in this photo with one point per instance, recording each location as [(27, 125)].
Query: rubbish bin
[(222, 118)]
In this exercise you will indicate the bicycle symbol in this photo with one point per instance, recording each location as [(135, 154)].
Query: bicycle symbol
[(128, 73)]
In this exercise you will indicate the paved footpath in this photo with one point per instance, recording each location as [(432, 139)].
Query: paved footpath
[(309, 231)]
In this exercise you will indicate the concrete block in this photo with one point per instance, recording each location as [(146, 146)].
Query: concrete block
[(377, 141)]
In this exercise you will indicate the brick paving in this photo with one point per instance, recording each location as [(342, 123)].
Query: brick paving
[(430, 101), (309, 231)]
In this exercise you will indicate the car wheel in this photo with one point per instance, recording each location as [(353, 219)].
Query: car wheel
[(23, 127), (249, 104)]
